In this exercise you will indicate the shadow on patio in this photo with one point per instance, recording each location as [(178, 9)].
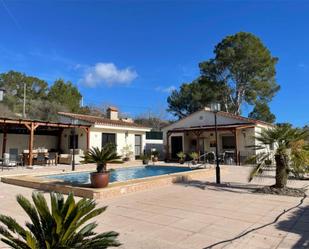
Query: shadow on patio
[(298, 225), (234, 187)]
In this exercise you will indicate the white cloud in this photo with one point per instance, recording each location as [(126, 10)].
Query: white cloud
[(108, 74), (168, 89)]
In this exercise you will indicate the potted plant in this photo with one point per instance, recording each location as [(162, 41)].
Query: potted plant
[(127, 152), (101, 157), (155, 155), (182, 157), (194, 157), (145, 159)]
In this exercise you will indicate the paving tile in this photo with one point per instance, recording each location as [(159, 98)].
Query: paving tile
[(162, 219), (189, 225), (181, 217), (171, 235), (198, 241)]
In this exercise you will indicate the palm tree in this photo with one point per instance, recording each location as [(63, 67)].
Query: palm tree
[(283, 138), (61, 226), (102, 156)]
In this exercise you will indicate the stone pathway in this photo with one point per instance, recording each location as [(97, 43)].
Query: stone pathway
[(196, 215)]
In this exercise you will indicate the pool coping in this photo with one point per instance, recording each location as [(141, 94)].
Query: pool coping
[(37, 181)]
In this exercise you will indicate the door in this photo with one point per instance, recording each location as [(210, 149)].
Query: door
[(176, 146), (138, 146)]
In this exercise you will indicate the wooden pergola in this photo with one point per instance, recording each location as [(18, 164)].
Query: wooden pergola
[(198, 131), (31, 126)]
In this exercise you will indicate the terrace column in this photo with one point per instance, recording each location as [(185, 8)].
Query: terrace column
[(198, 134), (168, 134), (31, 127), (87, 130), (4, 140), (59, 139), (236, 148)]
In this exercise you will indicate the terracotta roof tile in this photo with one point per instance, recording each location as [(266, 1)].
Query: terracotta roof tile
[(101, 120)]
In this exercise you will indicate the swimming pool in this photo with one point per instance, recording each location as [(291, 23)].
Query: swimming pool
[(122, 174)]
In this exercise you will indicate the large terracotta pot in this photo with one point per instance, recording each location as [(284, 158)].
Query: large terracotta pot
[(99, 180)]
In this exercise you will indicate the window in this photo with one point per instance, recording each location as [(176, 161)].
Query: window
[(108, 138), (71, 139), (155, 135), (228, 142)]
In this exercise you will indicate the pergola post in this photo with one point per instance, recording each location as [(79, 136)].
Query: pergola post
[(31, 129), (4, 140)]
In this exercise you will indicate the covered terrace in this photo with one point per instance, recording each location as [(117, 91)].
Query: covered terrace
[(19, 135), (232, 138)]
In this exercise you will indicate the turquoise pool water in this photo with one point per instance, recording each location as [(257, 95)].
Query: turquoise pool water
[(120, 175)]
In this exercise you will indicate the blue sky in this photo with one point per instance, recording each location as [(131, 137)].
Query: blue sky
[(132, 53)]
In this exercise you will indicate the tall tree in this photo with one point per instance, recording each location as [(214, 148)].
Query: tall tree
[(65, 94), (13, 82), (193, 96), (244, 71), (45, 110), (262, 112)]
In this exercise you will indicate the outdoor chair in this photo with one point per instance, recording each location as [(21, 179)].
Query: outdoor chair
[(228, 157), (41, 159), (7, 162), (65, 159), (52, 158), (211, 157)]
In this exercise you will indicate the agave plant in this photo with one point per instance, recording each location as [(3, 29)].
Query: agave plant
[(283, 137), (194, 155), (102, 156), (61, 226), (181, 155)]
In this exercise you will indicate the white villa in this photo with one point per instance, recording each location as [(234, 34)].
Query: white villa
[(32, 137), (196, 133), (121, 132)]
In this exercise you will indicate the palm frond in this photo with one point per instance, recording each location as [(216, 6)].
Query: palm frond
[(60, 226)]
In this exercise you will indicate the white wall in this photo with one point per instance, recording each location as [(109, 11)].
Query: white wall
[(123, 138), (21, 141), (257, 131)]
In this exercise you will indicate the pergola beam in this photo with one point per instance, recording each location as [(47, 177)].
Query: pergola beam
[(28, 123)]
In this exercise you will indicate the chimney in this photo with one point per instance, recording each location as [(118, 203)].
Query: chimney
[(112, 113)]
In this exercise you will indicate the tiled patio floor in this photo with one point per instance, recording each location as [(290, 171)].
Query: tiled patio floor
[(196, 215)]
